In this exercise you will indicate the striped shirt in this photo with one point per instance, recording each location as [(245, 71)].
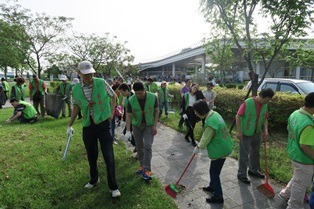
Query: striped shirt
[(88, 91)]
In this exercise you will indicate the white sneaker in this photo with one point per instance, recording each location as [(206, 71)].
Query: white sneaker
[(115, 193), (90, 186)]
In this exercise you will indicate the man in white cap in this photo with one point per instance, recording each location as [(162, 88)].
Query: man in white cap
[(92, 97), (65, 90)]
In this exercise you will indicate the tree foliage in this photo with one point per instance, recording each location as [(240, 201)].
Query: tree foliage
[(104, 52), (287, 21), (40, 31)]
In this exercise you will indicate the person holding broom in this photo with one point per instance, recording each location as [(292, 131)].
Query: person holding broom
[(251, 121), (217, 140), (300, 149)]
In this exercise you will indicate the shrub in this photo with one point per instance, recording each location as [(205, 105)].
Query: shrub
[(229, 100), (240, 86), (231, 86), (54, 83)]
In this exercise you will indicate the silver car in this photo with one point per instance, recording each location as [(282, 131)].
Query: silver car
[(293, 86)]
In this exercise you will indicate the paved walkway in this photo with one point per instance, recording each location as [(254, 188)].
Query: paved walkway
[(171, 153)]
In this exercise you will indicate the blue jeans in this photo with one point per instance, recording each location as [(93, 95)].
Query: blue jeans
[(214, 173), (161, 105)]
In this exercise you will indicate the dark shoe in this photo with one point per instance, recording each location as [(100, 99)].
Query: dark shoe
[(208, 189), (79, 117), (257, 175), (244, 179), (63, 116), (187, 139), (214, 200), (193, 143)]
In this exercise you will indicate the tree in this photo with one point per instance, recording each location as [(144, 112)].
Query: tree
[(287, 20), (9, 55), (40, 31), (104, 52), (219, 48), (65, 62), (303, 55)]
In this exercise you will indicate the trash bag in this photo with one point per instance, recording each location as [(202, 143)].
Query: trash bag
[(53, 104)]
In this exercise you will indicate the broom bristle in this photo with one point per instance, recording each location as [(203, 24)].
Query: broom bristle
[(266, 191), (170, 192)]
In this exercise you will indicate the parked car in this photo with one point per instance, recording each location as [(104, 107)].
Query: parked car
[(294, 86)]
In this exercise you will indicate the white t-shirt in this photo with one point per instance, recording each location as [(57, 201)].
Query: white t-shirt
[(192, 100)]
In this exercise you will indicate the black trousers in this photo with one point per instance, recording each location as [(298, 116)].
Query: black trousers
[(91, 135), (191, 122)]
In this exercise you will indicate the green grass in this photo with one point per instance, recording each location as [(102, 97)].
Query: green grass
[(34, 176)]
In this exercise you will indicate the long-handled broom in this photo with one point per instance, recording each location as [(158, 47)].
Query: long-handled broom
[(265, 188), (172, 189)]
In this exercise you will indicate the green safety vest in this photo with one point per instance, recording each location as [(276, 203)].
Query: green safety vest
[(40, 87), (221, 145), (19, 92), (65, 91), (29, 111), (297, 122), (162, 95), (148, 113), (186, 99), (99, 103), (153, 87), (6, 86), (248, 120)]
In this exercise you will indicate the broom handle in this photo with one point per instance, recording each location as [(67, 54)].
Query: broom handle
[(266, 166), (185, 169)]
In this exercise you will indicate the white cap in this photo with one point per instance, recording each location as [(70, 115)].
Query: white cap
[(75, 81), (86, 67), (63, 78)]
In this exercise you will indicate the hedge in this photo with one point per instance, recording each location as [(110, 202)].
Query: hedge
[(228, 101)]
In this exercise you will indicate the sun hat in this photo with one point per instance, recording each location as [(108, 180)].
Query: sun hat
[(75, 81), (163, 82), (63, 78), (85, 67)]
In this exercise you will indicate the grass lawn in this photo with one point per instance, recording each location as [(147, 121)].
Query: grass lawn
[(33, 174)]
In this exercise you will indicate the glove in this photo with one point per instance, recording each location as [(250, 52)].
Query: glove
[(184, 116), (70, 131), (127, 136), (196, 150)]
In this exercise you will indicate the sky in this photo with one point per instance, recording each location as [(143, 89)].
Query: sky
[(152, 28)]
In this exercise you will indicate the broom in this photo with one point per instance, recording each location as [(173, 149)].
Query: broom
[(265, 188), (171, 189)]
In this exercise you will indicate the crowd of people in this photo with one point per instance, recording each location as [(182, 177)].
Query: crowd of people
[(104, 103)]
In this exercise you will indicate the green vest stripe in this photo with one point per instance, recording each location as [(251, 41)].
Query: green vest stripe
[(248, 120), (149, 110), (221, 145)]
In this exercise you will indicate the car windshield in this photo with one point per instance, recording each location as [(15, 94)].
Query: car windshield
[(306, 87)]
